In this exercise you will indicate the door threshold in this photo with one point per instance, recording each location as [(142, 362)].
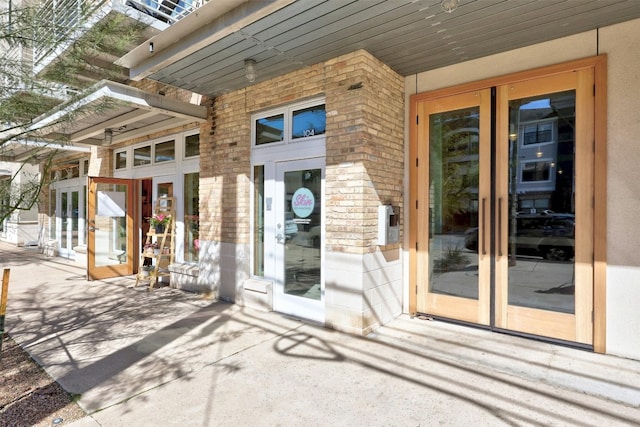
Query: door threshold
[(539, 338)]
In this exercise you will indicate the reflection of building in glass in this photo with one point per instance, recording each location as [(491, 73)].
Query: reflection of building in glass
[(454, 169), (543, 153)]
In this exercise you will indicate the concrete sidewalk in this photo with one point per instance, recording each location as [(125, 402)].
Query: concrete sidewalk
[(171, 358)]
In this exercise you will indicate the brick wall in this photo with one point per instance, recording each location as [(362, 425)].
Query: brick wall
[(364, 103)]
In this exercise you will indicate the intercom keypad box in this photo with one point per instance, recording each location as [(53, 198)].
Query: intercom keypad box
[(388, 224)]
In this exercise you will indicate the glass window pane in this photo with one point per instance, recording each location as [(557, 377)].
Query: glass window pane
[(110, 224), (121, 160), (303, 228), (191, 217), (536, 171), (192, 145), (53, 213), (64, 218), (270, 129), (541, 202), (454, 170), (165, 151), (258, 221), (142, 156), (309, 122)]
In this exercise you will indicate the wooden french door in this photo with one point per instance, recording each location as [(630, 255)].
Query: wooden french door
[(503, 228), (111, 236)]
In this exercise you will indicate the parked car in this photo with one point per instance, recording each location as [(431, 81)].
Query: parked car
[(290, 226), (551, 236), (310, 239)]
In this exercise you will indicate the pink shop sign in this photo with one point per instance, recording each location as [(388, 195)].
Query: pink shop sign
[(303, 202)]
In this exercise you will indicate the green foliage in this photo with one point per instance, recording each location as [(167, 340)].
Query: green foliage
[(452, 258), (27, 32)]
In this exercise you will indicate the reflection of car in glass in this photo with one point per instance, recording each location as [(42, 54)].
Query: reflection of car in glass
[(550, 236), (309, 238), (290, 226)]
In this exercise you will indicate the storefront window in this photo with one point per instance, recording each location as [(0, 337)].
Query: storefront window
[(258, 221), (74, 171), (165, 151), (121, 160), (191, 217), (192, 145), (142, 156), (309, 122), (301, 121), (270, 129)]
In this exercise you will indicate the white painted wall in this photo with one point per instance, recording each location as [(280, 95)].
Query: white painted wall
[(620, 43)]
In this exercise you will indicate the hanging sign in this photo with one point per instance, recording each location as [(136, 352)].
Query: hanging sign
[(303, 202)]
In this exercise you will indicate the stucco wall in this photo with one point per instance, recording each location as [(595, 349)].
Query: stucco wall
[(620, 43)]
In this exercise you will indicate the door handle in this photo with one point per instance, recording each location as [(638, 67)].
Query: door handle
[(500, 226), (484, 248), (92, 228)]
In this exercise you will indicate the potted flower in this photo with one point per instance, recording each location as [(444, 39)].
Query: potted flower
[(159, 221), (151, 248), (146, 270)]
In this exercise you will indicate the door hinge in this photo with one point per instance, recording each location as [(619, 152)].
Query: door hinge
[(594, 90), (417, 120), (416, 204), (417, 162), (416, 246)]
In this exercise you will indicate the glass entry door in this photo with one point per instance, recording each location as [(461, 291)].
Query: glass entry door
[(454, 224), (69, 209), (504, 223), (298, 233), (110, 245), (544, 207)]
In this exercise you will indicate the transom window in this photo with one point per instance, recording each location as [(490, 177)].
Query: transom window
[(158, 152), (298, 122)]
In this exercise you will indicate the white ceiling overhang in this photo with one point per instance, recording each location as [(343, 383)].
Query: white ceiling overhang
[(28, 151), (205, 52), (119, 111)]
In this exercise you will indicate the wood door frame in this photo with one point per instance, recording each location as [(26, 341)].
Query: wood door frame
[(465, 309), (598, 66), (129, 267)]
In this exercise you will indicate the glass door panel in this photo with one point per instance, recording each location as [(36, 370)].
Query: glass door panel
[(111, 236), (541, 202), (544, 193), (455, 219), (64, 231), (299, 288), (69, 221), (75, 217), (453, 182)]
